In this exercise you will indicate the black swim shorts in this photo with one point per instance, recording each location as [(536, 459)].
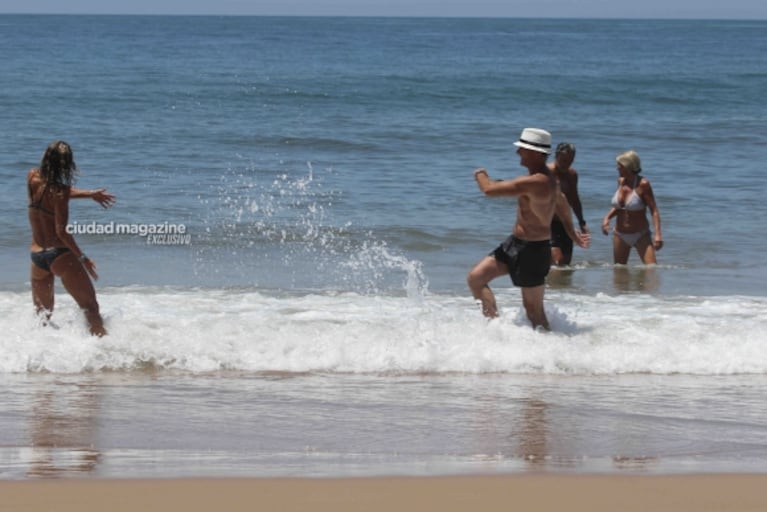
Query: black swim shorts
[(559, 237), (528, 262)]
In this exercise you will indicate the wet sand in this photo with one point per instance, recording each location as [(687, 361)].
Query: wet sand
[(571, 493)]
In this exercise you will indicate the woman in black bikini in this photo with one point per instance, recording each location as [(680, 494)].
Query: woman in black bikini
[(54, 252)]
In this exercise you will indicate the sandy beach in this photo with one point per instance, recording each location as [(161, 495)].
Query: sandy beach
[(678, 493)]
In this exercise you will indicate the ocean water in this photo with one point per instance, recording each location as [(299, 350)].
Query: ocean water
[(309, 314)]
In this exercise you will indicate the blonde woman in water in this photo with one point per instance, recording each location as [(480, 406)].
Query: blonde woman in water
[(630, 204)]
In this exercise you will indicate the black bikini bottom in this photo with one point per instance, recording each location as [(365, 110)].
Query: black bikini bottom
[(44, 258)]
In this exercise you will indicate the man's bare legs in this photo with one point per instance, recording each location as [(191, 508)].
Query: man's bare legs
[(532, 299), (479, 278), (488, 269), (559, 258)]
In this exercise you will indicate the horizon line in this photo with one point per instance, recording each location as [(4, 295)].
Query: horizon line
[(414, 16)]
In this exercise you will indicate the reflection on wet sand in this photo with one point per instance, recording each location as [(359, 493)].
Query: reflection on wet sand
[(533, 433), (519, 431), (635, 463), (63, 431)]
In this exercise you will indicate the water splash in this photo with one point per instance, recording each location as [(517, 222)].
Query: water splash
[(286, 224)]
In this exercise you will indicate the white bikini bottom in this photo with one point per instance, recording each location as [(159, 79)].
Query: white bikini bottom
[(631, 239)]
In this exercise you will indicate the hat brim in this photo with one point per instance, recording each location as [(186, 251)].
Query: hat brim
[(539, 149)]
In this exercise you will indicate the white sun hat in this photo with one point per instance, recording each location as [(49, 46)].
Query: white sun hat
[(535, 139)]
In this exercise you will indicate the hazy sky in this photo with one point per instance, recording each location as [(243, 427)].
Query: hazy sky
[(727, 9)]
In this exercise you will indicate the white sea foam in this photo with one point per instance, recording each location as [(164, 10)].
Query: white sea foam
[(205, 330)]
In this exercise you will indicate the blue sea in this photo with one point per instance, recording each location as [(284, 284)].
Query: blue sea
[(308, 314)]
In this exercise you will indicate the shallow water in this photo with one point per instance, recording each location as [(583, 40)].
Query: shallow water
[(316, 425)]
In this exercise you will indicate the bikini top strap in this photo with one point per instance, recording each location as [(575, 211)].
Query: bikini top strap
[(39, 201)]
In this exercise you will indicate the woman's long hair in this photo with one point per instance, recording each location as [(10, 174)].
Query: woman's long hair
[(57, 167)]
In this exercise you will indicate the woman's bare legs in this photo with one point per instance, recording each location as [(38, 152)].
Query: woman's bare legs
[(42, 290), (77, 282), (646, 250)]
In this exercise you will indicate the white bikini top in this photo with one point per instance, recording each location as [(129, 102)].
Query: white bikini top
[(634, 202)]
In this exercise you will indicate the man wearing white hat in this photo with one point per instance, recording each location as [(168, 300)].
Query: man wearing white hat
[(526, 254)]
